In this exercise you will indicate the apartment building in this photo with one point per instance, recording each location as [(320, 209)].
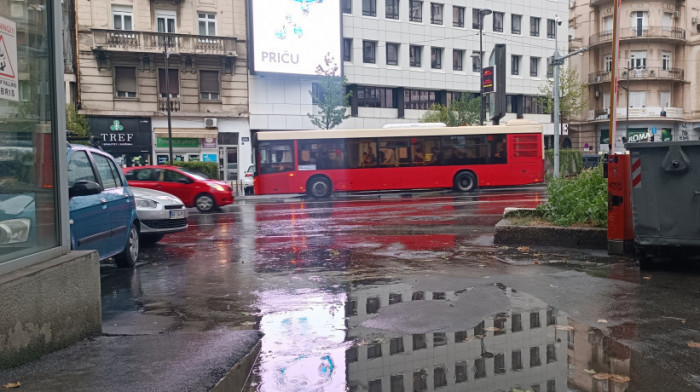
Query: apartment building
[(401, 56), (658, 94), (125, 90)]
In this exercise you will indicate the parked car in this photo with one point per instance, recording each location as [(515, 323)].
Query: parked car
[(159, 214), (102, 207), (194, 189), (248, 180)]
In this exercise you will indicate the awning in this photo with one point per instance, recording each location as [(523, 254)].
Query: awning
[(195, 133)]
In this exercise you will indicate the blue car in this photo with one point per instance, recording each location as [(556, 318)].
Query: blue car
[(102, 206)]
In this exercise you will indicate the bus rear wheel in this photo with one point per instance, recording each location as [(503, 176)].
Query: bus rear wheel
[(465, 181), (319, 187)]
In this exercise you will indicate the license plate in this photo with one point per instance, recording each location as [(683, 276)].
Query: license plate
[(177, 214)]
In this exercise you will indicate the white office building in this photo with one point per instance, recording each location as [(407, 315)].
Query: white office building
[(401, 56)]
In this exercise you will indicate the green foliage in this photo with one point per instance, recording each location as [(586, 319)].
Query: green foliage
[(570, 161), (209, 169), (331, 98), (76, 123), (574, 95), (463, 111), (582, 199)]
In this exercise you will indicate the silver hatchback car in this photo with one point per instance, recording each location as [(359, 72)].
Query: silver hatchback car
[(160, 213)]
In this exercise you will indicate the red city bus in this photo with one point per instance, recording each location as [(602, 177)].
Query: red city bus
[(318, 162)]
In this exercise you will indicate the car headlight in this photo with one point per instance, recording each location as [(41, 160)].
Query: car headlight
[(146, 203), (14, 230), (218, 187)]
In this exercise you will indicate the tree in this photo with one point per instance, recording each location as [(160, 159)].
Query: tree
[(463, 111), (574, 95), (330, 96), (75, 122)]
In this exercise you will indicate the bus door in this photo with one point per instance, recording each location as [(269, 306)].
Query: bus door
[(277, 163)]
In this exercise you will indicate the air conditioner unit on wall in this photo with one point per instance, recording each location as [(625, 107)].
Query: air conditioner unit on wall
[(210, 122)]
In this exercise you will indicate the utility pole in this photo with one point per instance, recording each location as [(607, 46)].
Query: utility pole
[(482, 112), (166, 38), (558, 60)]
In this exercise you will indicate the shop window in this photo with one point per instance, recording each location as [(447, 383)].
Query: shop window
[(173, 81), (209, 85), (276, 157), (125, 82)]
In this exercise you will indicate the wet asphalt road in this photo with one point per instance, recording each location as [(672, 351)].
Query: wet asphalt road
[(406, 292)]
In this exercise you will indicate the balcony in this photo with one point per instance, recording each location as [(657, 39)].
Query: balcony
[(151, 42), (654, 73), (163, 104), (636, 113), (649, 32)]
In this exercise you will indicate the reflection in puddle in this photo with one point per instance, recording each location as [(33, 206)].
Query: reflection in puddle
[(528, 347)]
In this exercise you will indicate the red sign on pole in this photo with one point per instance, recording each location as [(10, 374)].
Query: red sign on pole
[(487, 80)]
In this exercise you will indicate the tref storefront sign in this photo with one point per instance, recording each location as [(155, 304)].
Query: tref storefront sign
[(122, 135)]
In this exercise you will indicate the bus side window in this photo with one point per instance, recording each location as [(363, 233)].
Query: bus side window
[(361, 153), (276, 157), (425, 151)]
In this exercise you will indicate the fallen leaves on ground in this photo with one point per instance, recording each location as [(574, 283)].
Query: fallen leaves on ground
[(694, 344), (646, 277), (603, 321), (523, 249), (12, 385), (607, 376), (589, 371), (492, 329), (565, 327), (682, 320)]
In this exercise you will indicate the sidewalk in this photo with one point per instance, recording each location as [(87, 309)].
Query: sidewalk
[(217, 360)]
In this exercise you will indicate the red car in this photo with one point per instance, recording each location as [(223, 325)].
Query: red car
[(194, 189)]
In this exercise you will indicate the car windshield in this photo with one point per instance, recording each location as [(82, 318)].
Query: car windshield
[(196, 175)]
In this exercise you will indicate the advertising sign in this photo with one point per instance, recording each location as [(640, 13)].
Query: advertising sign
[(119, 135), (294, 36), (487, 80), (8, 60)]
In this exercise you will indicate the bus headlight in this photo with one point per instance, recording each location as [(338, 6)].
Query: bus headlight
[(14, 230)]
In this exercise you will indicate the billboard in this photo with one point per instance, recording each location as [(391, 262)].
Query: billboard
[(294, 36)]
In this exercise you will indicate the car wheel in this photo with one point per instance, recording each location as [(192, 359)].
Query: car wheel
[(465, 181), (205, 202), (127, 259), (151, 239), (319, 187)]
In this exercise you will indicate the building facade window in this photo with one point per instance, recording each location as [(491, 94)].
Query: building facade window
[(515, 24), (122, 17), (375, 97), (476, 61), (457, 59), (666, 61), (534, 26), (209, 86), (607, 66), (551, 28), (125, 83), (667, 21), (607, 25), (414, 53), (638, 59), (457, 16), (392, 53), (419, 99), (436, 58), (416, 11), (392, 9), (640, 22), (515, 64), (498, 22), (369, 7), (475, 18), (369, 52), (436, 13), (534, 64), (347, 6), (207, 23), (173, 83), (347, 49)]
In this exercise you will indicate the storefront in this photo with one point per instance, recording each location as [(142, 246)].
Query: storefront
[(188, 145), (128, 139)]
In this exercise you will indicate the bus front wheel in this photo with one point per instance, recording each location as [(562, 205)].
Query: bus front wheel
[(319, 187), (465, 181)]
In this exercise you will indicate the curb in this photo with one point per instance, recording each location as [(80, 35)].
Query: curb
[(568, 237)]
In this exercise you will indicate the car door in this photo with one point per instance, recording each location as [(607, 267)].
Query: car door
[(90, 224), (177, 184), (119, 200)]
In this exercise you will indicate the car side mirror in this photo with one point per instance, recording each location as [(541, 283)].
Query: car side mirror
[(84, 188)]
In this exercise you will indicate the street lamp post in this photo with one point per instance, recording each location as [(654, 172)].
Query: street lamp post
[(482, 112), (166, 38)]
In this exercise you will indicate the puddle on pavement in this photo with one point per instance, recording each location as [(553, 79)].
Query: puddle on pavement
[(327, 341)]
